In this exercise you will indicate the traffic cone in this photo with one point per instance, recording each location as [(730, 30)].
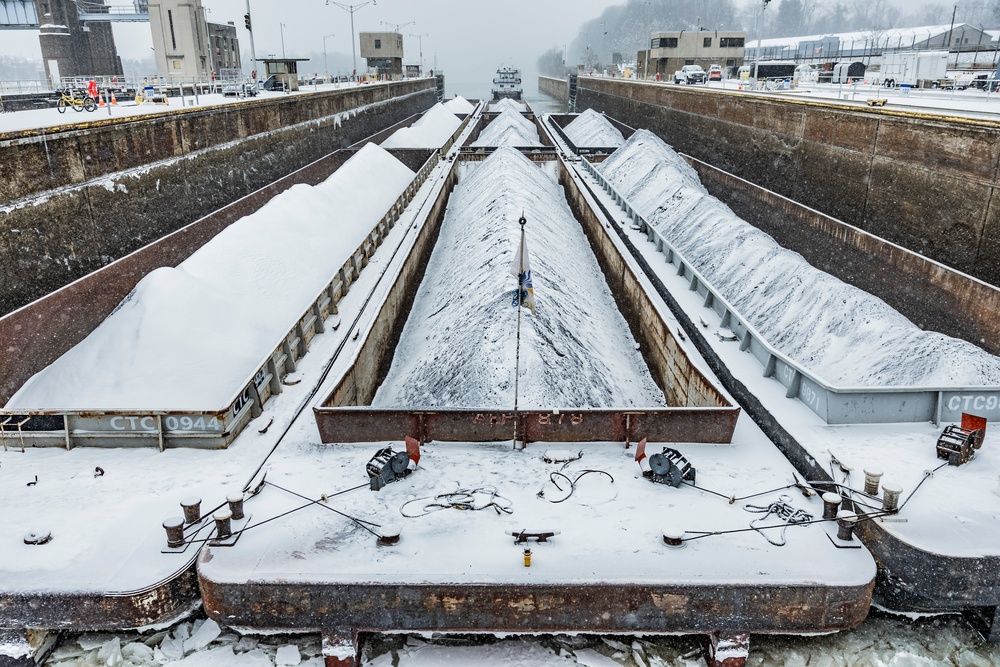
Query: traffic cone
[(100, 100), (113, 100)]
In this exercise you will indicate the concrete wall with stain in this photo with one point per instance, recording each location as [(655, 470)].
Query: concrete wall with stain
[(927, 183), (557, 88), (74, 199)]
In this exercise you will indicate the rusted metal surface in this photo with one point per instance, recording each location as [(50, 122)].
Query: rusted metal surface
[(92, 610), (703, 425), (517, 607)]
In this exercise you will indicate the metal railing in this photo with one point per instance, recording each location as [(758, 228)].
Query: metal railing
[(835, 405)]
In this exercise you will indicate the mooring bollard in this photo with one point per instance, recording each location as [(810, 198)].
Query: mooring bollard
[(673, 537), (831, 504), (175, 532), (872, 477), (527, 557), (389, 535), (192, 509), (235, 501), (223, 523), (890, 499), (845, 525)]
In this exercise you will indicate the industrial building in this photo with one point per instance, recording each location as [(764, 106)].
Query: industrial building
[(384, 52), (868, 46), (669, 51)]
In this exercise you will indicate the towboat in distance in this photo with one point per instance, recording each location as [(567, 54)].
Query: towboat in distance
[(507, 83)]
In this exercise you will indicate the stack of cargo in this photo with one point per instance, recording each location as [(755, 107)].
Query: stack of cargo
[(509, 129)]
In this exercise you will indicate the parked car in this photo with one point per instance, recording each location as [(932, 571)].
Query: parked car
[(715, 73), (690, 74)]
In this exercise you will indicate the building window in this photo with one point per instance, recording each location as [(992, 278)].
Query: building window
[(170, 21), (378, 43), (730, 42), (708, 42)]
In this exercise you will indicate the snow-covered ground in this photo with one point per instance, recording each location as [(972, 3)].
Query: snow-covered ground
[(510, 128), (576, 352), (190, 337), (593, 130), (50, 117), (839, 332)]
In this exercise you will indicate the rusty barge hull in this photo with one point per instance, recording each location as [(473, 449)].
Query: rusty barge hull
[(597, 608)]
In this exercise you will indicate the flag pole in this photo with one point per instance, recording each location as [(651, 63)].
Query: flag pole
[(520, 292)]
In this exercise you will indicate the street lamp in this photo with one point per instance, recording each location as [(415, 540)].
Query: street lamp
[(421, 42), (326, 65), (351, 9), (396, 26), (282, 39), (756, 60)]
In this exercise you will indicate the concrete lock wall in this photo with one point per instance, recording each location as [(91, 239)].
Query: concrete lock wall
[(557, 88), (75, 199), (927, 183)]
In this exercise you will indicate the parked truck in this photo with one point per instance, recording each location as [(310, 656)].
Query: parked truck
[(913, 68)]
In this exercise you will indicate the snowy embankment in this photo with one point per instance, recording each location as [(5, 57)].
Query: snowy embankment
[(187, 338), (593, 130), (459, 104), (841, 333), (507, 103), (458, 346), (510, 128), (431, 130)]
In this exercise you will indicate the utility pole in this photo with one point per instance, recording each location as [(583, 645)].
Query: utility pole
[(326, 64), (253, 54), (421, 42), (756, 60), (351, 9)]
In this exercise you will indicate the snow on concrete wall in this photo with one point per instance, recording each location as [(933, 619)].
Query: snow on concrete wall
[(187, 338), (843, 334), (592, 129), (458, 346), (510, 128)]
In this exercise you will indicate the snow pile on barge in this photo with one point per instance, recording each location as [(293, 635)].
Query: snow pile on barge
[(458, 347), (508, 104), (592, 129), (842, 333), (459, 104), (431, 130), (186, 337), (509, 129)]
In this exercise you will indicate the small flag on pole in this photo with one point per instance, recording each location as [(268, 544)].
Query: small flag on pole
[(521, 268)]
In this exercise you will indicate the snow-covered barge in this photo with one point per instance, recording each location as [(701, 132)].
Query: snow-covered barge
[(942, 553), (320, 569)]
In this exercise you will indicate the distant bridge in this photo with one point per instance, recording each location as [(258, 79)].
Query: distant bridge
[(23, 15), (18, 14)]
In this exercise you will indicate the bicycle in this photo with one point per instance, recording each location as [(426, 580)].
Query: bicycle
[(68, 98)]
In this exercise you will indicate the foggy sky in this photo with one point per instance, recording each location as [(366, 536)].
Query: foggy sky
[(467, 39)]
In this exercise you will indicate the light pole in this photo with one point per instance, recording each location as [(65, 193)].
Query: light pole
[(351, 9), (326, 64), (420, 41), (396, 26), (282, 39), (756, 60), (253, 54)]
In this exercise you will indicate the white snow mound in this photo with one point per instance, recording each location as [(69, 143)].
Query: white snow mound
[(190, 337), (459, 344), (842, 334), (508, 103), (459, 104), (431, 130), (593, 130), (510, 128)]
